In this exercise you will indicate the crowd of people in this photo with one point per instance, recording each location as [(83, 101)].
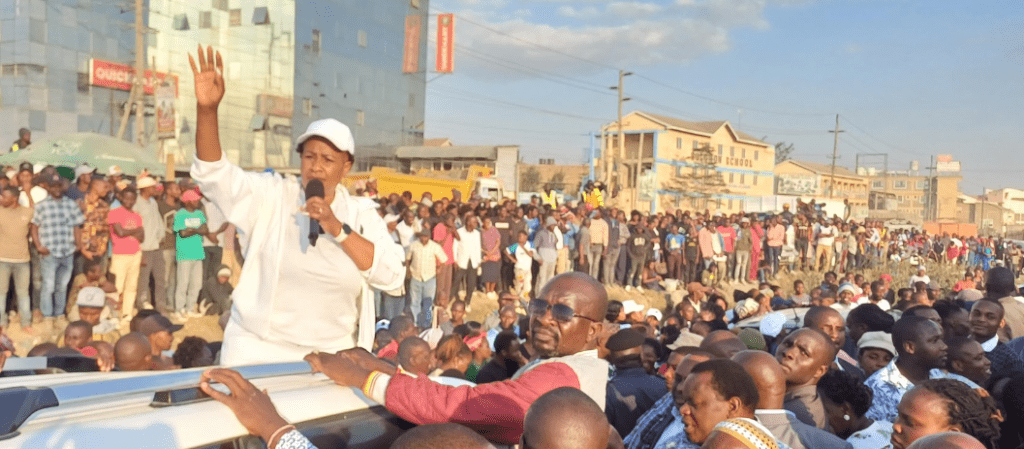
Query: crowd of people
[(853, 362)]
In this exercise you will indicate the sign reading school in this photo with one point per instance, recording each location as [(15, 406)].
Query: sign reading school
[(120, 76)]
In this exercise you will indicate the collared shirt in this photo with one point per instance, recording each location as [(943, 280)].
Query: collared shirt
[(95, 232), (152, 223), (660, 428), (789, 431), (285, 280), (876, 436), (776, 235), (406, 235), (631, 393), (57, 219), (889, 385), (989, 345), (423, 259), (806, 405), (468, 250), (598, 232)]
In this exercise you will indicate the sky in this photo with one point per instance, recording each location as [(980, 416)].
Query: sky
[(909, 78)]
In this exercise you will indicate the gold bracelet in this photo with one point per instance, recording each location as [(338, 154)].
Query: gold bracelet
[(271, 444)]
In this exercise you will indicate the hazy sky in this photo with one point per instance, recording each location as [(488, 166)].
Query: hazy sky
[(911, 78)]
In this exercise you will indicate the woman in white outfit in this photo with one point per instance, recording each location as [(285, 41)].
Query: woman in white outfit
[(294, 297)]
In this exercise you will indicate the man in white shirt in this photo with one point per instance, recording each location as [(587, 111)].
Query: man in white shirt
[(152, 255), (406, 229), (468, 256), (826, 237), (920, 277), (424, 257)]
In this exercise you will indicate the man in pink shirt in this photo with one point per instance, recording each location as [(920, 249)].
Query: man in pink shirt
[(776, 236), (126, 232), (445, 235), (707, 248)]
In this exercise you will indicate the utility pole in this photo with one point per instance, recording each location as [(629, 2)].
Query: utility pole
[(137, 93), (621, 138), (835, 155), (931, 210)]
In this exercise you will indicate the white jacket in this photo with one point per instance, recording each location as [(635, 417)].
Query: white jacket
[(262, 206)]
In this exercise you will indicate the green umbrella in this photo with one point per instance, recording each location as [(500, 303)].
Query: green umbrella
[(97, 150)]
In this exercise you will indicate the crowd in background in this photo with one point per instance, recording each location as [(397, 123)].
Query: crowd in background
[(852, 362)]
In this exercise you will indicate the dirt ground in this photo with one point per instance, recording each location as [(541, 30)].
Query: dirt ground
[(207, 328)]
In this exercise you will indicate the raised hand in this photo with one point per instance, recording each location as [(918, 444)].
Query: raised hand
[(209, 78)]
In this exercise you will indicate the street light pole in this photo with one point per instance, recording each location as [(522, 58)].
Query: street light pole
[(621, 137)]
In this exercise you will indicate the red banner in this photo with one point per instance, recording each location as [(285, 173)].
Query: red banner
[(120, 76), (411, 59), (445, 42)]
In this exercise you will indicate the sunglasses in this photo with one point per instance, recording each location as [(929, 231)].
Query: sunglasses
[(560, 312)]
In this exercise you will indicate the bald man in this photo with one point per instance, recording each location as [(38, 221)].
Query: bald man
[(832, 323), (805, 356), (132, 353), (722, 344), (947, 440), (662, 425), (441, 436), (564, 418), (771, 387), (565, 321)]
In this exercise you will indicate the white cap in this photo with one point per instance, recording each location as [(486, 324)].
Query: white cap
[(847, 287), (145, 182), (391, 218), (334, 131), (91, 297), (114, 170), (629, 306), (655, 313), (83, 169)]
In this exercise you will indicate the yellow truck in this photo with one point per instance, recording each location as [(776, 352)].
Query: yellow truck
[(475, 179)]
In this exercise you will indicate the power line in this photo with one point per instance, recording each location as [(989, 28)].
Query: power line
[(544, 47), (476, 98), (725, 103), (904, 150)]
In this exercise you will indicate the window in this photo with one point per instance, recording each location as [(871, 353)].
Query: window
[(743, 178), (412, 100), (730, 177), (83, 82), (755, 158), (205, 19), (679, 143), (360, 118), (307, 107), (719, 151), (732, 151), (220, 4), (730, 204), (921, 199), (361, 38), (755, 176), (235, 17), (902, 185), (37, 31), (696, 145), (37, 120), (743, 153), (679, 170), (922, 184), (260, 16), (181, 22), (315, 45), (877, 185), (694, 170)]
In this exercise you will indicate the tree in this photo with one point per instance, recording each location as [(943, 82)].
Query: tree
[(557, 181), (783, 151), (698, 180), (529, 181)]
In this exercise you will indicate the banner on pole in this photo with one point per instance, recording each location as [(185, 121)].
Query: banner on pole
[(164, 95), (411, 58), (445, 43)]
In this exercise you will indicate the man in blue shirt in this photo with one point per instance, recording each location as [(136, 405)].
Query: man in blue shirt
[(57, 233), (631, 392)]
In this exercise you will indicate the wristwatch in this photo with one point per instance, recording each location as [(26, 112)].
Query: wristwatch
[(345, 231)]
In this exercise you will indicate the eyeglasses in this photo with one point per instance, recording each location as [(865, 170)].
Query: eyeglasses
[(560, 312)]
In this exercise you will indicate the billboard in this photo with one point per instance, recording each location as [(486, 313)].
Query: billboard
[(445, 43), (411, 57), (165, 119), (786, 184), (944, 163), (121, 76)]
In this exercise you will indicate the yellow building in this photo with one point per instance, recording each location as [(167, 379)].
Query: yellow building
[(668, 164), (811, 180), (917, 197)]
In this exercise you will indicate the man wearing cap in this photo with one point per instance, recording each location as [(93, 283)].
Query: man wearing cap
[(83, 177), (91, 307), (158, 329), (115, 176), (189, 226), (152, 255), (631, 392), (15, 221), (920, 277), (57, 233), (216, 292), (295, 297)]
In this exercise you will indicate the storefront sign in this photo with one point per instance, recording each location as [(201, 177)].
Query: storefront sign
[(121, 77), (796, 184), (445, 43), (275, 105)]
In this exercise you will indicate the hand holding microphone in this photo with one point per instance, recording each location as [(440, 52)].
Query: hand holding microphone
[(320, 213)]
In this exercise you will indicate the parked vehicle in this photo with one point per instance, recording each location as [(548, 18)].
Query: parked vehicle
[(475, 179), (167, 409)]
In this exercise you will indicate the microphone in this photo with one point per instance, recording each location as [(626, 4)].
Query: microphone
[(314, 189)]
